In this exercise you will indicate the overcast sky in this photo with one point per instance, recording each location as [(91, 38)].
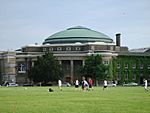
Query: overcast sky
[(24, 22)]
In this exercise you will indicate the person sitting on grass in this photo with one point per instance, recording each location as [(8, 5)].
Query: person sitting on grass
[(50, 90)]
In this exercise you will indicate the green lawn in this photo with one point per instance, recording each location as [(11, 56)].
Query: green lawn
[(39, 100)]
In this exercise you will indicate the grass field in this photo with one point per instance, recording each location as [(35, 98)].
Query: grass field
[(39, 100)]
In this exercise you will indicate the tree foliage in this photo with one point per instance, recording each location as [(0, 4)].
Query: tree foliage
[(46, 69), (94, 68)]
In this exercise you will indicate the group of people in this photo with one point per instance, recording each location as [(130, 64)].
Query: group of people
[(89, 85), (84, 84)]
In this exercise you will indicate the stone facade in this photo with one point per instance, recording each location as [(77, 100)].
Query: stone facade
[(8, 66), (14, 65)]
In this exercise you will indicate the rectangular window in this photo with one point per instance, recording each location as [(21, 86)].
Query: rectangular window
[(126, 75), (134, 76), (119, 75), (111, 48), (141, 66), (51, 49), (24, 49), (21, 68), (148, 66), (92, 47), (67, 67), (32, 64), (126, 65), (106, 62), (44, 49), (134, 66), (141, 75), (118, 65)]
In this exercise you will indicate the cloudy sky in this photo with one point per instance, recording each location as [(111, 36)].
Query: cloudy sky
[(24, 22)]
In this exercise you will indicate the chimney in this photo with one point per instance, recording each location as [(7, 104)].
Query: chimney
[(118, 39)]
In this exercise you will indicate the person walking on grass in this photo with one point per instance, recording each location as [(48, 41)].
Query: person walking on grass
[(77, 83), (60, 85), (90, 84), (145, 85), (105, 84), (84, 84)]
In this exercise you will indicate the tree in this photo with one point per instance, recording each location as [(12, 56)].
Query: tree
[(94, 68), (46, 69)]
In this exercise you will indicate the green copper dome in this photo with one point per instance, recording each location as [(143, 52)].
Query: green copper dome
[(77, 34)]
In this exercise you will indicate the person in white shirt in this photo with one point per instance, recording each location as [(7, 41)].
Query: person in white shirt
[(60, 84), (76, 83), (86, 85), (105, 84), (145, 85)]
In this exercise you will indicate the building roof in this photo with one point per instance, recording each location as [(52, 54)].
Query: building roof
[(141, 50), (77, 34)]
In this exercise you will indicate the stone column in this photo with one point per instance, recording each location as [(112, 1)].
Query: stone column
[(28, 63), (71, 73), (27, 68), (83, 62)]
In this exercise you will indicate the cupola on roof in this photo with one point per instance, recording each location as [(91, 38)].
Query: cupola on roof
[(77, 34)]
